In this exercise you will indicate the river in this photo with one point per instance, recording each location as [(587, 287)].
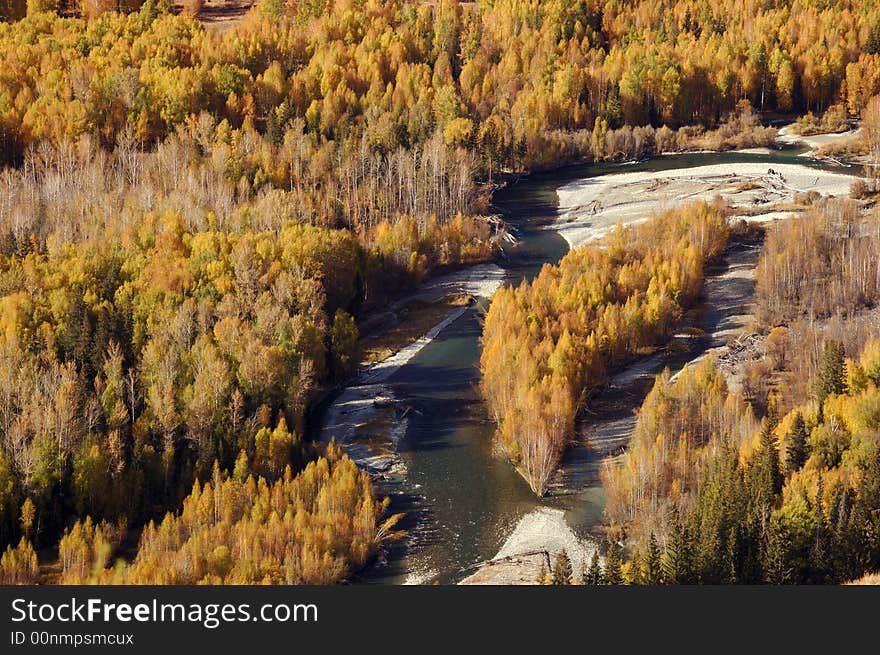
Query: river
[(460, 500)]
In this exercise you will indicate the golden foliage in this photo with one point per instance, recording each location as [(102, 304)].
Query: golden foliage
[(548, 343), (313, 528), (19, 565)]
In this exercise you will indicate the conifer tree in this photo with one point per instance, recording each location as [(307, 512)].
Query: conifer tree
[(819, 547), (796, 448), (612, 574), (593, 576), (774, 560), (768, 464), (582, 577), (562, 569), (678, 559), (831, 376), (772, 415), (653, 566)]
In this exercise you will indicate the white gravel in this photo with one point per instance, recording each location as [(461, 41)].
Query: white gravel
[(815, 141), (519, 560), (766, 217), (592, 207), (545, 528), (480, 280)]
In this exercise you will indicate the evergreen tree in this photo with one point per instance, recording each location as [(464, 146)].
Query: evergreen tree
[(774, 562), (653, 573), (562, 569), (613, 574), (274, 131), (841, 556), (863, 523), (594, 575), (732, 559), (772, 415), (831, 376), (768, 464), (872, 43), (819, 548), (796, 449), (678, 560)]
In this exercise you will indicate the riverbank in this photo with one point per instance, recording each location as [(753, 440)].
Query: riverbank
[(430, 428), (591, 208), (815, 141), (531, 547), (365, 418)]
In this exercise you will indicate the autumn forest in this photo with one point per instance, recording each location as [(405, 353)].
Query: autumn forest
[(197, 224)]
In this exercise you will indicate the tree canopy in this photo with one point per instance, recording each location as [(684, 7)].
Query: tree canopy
[(549, 342)]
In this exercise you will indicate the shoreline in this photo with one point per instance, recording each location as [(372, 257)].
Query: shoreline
[(725, 312), (591, 208), (813, 141), (366, 400), (380, 457), (534, 542)]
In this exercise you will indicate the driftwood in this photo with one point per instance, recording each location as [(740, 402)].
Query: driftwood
[(744, 347), (501, 231), (510, 558)]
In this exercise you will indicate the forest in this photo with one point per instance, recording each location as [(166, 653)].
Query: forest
[(548, 343), (193, 221), (781, 487), (374, 87)]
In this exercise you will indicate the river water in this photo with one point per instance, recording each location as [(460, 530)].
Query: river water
[(460, 500)]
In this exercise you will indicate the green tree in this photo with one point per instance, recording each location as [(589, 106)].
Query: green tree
[(273, 9), (562, 569), (796, 448), (612, 574), (769, 477), (819, 555), (871, 45), (831, 376), (91, 479), (652, 571), (9, 499), (775, 553), (678, 558), (593, 576)]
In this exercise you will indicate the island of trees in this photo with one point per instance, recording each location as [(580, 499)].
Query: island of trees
[(546, 344)]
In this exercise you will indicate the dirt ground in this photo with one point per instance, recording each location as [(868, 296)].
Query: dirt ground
[(222, 15)]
